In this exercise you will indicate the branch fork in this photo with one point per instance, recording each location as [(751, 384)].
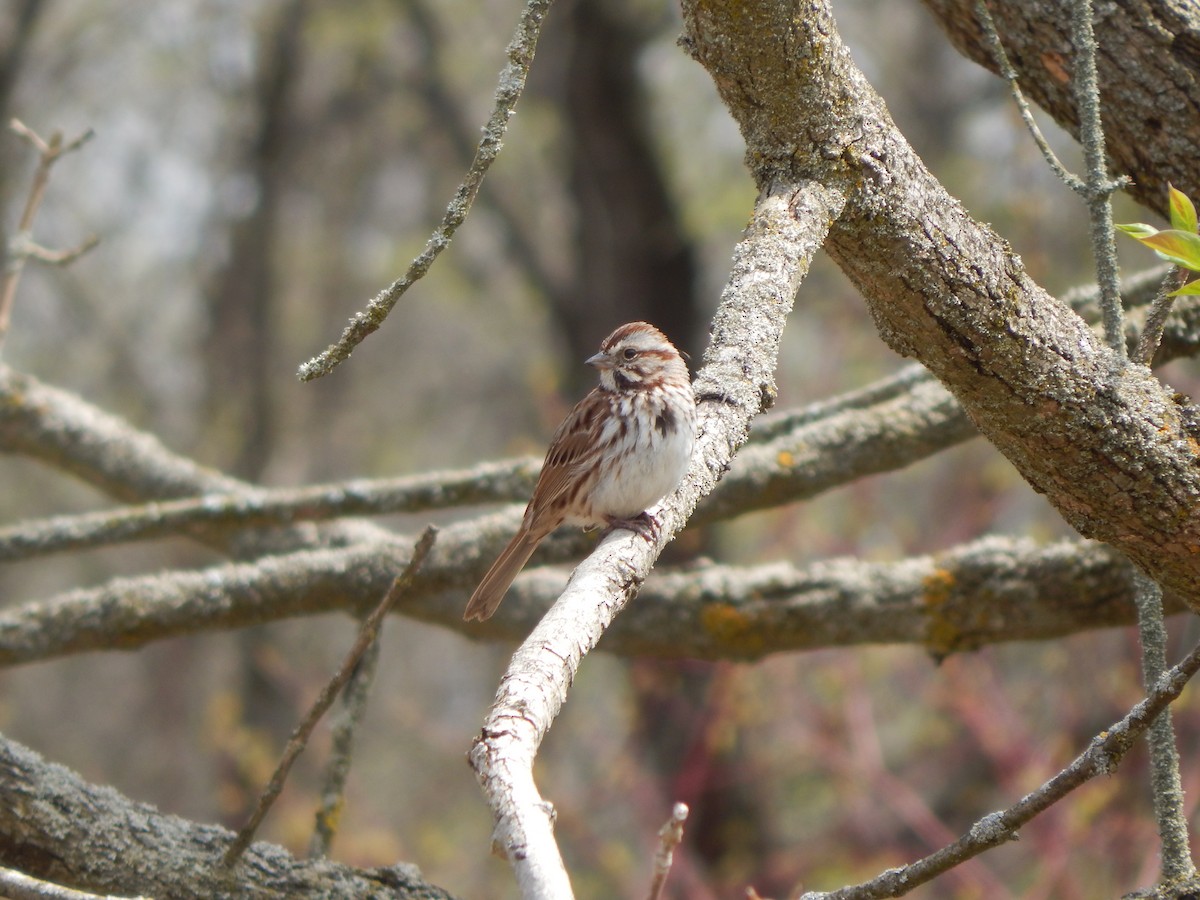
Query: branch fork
[(22, 246)]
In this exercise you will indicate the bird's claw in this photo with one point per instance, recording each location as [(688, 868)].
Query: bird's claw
[(643, 523)]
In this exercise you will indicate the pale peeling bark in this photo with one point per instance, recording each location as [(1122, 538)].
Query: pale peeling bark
[(1111, 447)]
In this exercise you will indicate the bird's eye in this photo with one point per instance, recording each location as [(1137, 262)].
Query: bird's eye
[(629, 353)]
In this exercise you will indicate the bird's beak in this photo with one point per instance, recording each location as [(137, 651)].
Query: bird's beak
[(600, 361)]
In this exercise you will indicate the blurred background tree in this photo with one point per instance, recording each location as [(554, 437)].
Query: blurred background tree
[(260, 169)]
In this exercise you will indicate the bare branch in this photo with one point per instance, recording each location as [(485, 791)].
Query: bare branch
[(736, 382), (367, 635), (60, 429), (989, 591), (1102, 757), (22, 247), (502, 482), (1165, 781), (508, 91), (814, 457), (1098, 188), (669, 837), (66, 828)]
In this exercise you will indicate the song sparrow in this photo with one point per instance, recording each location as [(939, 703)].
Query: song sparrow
[(620, 450)]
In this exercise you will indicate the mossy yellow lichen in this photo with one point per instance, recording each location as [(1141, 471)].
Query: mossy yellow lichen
[(942, 636), (733, 629)]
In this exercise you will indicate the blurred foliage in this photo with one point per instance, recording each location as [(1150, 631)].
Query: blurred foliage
[(832, 765)]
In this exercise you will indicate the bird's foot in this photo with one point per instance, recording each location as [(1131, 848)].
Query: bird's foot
[(643, 523)]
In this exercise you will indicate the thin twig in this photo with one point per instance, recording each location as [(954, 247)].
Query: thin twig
[(995, 45), (1099, 187), (1156, 319), (669, 837), (1165, 782), (354, 703), (1102, 757), (366, 636), (509, 87), (19, 886), (445, 109), (1097, 191), (22, 245), (1165, 778)]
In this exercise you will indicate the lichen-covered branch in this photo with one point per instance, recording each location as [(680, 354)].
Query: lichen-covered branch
[(1106, 442), (500, 482), (989, 591), (64, 431), (791, 455), (810, 459), (56, 826)]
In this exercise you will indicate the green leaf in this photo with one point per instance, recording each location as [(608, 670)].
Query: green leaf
[(1183, 212), (1179, 247), (1138, 230), (1191, 289)]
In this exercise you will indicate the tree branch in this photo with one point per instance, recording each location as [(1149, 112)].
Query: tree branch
[(990, 591), (502, 482), (56, 826), (1165, 781), (368, 636), (1148, 59), (22, 246), (509, 87), (736, 382), (1098, 188), (1108, 445), (791, 456), (1101, 758), (62, 430)]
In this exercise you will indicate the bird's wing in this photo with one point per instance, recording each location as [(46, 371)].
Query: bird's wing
[(572, 442)]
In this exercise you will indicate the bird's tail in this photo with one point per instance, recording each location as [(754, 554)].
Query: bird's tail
[(496, 582)]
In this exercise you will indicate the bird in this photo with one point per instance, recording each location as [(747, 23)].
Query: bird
[(620, 450)]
